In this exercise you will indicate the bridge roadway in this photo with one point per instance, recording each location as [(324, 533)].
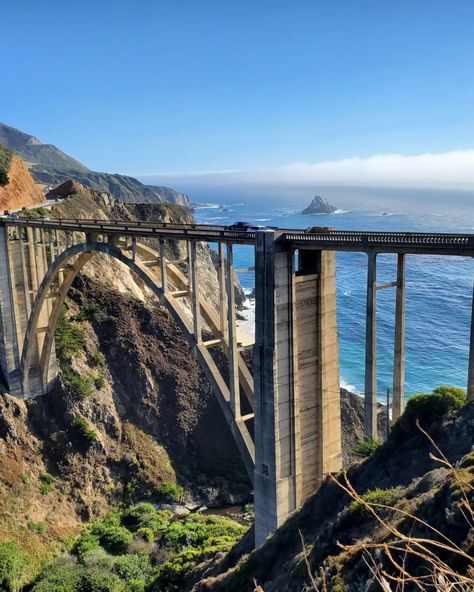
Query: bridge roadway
[(322, 239)]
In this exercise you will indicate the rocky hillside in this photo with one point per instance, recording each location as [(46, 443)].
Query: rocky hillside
[(32, 150), (409, 515), (50, 166), (19, 188)]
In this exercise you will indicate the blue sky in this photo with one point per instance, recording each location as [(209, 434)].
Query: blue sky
[(151, 87)]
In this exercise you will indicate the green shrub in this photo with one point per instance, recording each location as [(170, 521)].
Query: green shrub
[(46, 483), (87, 313), (69, 338), (197, 530), (132, 567), (97, 359), (100, 580), (85, 430), (85, 543), (146, 534), (193, 540), (14, 572), (374, 496), (169, 492), (99, 382), (37, 527), (428, 409), (366, 447), (250, 510), (5, 160), (60, 576), (77, 385), (145, 515), (4, 178), (116, 539), (97, 557)]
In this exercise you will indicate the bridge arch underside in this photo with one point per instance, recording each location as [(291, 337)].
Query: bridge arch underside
[(38, 365)]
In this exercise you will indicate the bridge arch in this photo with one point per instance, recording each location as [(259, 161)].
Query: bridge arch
[(69, 263)]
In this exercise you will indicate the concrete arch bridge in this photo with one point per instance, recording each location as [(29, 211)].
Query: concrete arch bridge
[(285, 412)]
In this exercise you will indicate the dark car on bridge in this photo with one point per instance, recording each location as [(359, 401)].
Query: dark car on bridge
[(245, 227)]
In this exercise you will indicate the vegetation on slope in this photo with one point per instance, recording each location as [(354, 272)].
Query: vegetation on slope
[(126, 551), (5, 160)]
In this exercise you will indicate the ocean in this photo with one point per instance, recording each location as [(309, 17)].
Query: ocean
[(438, 294)]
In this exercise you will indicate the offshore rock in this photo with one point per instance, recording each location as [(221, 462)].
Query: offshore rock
[(319, 205)]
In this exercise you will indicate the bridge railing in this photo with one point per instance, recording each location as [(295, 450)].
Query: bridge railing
[(201, 232), (382, 239)]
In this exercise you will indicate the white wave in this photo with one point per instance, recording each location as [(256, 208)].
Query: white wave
[(342, 211), (249, 313), (211, 206)]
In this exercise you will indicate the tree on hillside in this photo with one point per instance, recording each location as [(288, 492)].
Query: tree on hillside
[(4, 179)]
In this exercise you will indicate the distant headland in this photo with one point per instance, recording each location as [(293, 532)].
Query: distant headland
[(319, 205)]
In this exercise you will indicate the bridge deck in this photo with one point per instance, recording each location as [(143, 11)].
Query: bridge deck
[(334, 240)]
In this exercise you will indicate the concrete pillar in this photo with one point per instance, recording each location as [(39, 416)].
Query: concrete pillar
[(134, 248), (197, 325), (164, 277), (470, 371), (370, 399), (398, 398), (296, 373), (222, 291), (234, 385)]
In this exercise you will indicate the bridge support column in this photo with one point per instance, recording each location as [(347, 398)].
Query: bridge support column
[(296, 404), (222, 292), (398, 399), (197, 328), (164, 276), (234, 385), (370, 399)]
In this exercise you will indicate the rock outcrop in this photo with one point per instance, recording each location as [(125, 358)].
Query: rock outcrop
[(21, 190), (319, 205)]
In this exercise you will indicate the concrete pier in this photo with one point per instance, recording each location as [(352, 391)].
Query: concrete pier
[(370, 399), (296, 405), (234, 385), (398, 398)]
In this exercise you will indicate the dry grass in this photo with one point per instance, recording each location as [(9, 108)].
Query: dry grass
[(388, 561)]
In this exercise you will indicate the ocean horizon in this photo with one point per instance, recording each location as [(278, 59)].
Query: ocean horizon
[(438, 292)]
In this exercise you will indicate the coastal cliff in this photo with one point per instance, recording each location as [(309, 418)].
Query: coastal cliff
[(50, 166)]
